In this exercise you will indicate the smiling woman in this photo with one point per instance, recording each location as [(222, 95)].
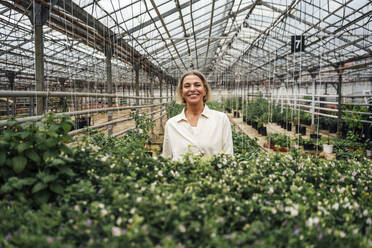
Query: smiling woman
[(198, 129)]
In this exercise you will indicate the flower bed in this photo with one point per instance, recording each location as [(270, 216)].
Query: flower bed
[(129, 199)]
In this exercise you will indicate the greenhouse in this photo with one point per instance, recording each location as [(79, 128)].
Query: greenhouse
[(267, 104)]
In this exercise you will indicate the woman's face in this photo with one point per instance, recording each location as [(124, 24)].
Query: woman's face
[(193, 89)]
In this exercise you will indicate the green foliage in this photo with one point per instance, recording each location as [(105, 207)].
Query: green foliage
[(174, 109), (215, 105), (124, 198), (233, 103), (280, 140), (257, 111), (353, 119), (244, 145), (36, 163)]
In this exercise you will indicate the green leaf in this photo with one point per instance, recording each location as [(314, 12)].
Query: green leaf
[(19, 184), (22, 147), (2, 158), (48, 178), (19, 163), (25, 134), (3, 144), (38, 186), (28, 180), (57, 162), (42, 197), (56, 188), (66, 126), (47, 155), (6, 188), (51, 142), (67, 171), (11, 123), (33, 156)]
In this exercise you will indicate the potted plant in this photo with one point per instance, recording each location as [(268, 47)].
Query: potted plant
[(261, 121), (368, 146), (328, 147)]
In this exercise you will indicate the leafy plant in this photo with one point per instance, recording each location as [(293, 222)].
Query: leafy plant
[(36, 163)]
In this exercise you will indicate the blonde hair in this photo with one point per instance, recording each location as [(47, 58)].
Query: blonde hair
[(200, 75)]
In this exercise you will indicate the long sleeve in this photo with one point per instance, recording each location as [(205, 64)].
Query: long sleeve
[(167, 151), (227, 146)]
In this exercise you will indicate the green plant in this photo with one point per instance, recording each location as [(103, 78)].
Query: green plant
[(35, 160), (174, 109), (280, 140), (353, 118)]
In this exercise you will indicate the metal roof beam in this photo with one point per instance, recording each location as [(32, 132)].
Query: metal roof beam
[(206, 27), (168, 13)]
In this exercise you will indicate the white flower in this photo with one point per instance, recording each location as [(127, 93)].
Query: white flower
[(365, 212), (104, 158), (118, 221), (271, 191), (104, 212), (139, 199), (335, 206), (101, 205), (116, 231), (294, 211), (182, 228), (312, 221), (160, 173), (77, 208), (133, 210)]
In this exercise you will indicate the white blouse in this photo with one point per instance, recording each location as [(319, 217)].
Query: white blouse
[(211, 136)]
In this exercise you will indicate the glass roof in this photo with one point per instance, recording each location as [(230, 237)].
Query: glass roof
[(219, 38)]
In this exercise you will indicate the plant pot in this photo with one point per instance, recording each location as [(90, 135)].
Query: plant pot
[(297, 128), (327, 148), (315, 136), (333, 129), (309, 147), (303, 130), (254, 124), (283, 149), (263, 131), (244, 118), (82, 122), (228, 110), (289, 127), (236, 114), (369, 153)]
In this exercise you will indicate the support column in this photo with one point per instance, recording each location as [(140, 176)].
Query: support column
[(32, 102), (161, 101), (108, 53), (167, 86), (39, 68), (339, 100), (63, 100), (151, 76), (136, 68), (38, 16), (313, 92), (11, 76)]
